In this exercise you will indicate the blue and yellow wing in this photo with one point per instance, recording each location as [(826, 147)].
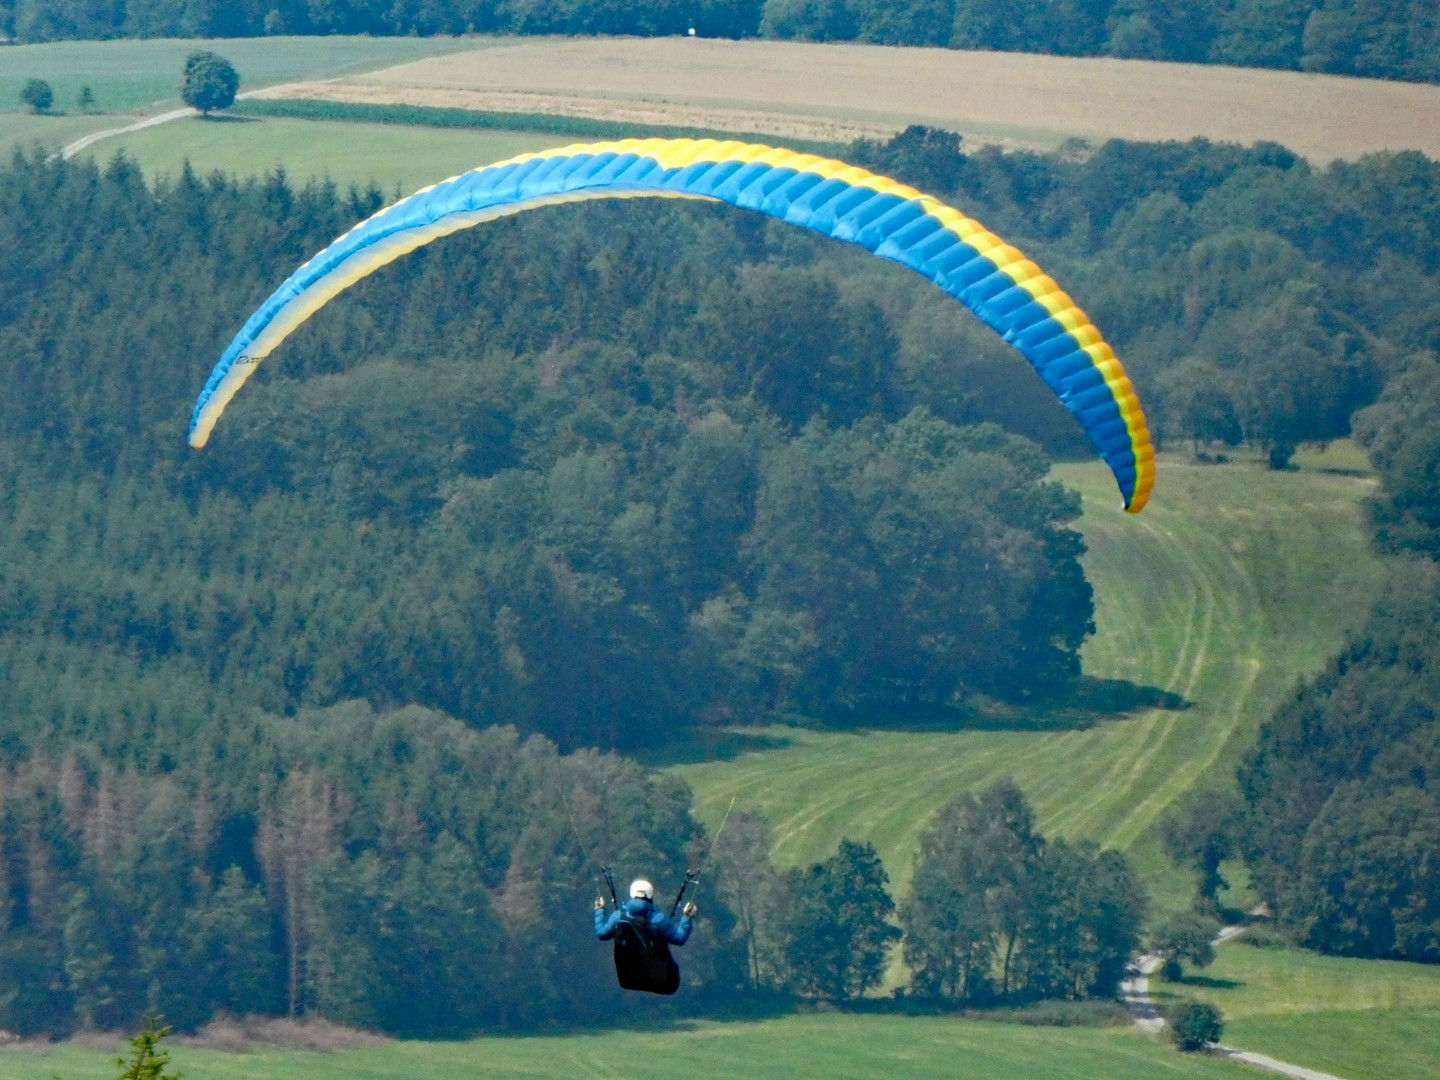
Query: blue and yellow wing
[(994, 280)]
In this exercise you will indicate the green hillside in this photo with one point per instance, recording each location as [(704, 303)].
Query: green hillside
[(1234, 582)]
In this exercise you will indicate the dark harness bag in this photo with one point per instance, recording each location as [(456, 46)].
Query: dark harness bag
[(643, 961)]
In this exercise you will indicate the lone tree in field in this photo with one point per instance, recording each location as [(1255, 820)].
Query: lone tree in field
[(38, 95), (210, 82)]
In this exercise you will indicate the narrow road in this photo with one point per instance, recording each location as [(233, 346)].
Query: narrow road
[(1260, 1061), (1135, 991), (86, 141)]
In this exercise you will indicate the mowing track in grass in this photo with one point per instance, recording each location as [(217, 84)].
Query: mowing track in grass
[(1234, 582)]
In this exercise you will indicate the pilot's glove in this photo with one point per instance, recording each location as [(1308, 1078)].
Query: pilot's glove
[(690, 909), (599, 903)]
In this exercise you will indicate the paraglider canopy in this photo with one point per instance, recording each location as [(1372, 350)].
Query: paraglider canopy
[(1003, 288)]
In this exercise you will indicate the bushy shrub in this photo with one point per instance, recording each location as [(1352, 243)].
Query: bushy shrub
[(1194, 1025), (38, 95)]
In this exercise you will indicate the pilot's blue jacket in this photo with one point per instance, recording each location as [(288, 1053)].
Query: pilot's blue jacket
[(644, 914)]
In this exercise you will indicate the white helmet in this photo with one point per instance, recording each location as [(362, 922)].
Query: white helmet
[(640, 889)]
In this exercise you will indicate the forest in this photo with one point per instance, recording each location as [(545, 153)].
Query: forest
[(351, 686), (1390, 39)]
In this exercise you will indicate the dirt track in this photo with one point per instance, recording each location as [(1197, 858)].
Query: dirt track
[(840, 91)]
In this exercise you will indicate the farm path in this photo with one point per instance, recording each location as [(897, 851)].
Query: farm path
[(1135, 991), (69, 150)]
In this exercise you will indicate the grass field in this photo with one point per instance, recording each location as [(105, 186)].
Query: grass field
[(822, 1047), (399, 159), (1232, 582), (130, 77), (1360, 1019), (834, 92)]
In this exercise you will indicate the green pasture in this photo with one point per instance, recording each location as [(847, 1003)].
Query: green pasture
[(51, 132), (834, 1046), (1360, 1019), (134, 77), (138, 74), (1233, 583), (398, 159)]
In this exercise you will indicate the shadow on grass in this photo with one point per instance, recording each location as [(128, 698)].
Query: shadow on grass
[(672, 1017), (710, 744), (229, 118), (1091, 1012), (1204, 982), (1087, 703), (646, 1013)]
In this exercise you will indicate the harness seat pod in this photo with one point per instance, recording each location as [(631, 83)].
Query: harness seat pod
[(643, 961), (642, 937)]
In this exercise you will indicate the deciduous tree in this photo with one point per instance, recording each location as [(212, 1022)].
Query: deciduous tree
[(209, 82)]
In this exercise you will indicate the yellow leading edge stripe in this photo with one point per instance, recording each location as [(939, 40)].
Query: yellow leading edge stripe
[(678, 154)]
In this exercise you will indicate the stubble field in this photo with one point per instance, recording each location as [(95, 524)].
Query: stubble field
[(836, 92)]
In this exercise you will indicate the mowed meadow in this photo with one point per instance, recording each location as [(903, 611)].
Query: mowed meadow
[(1232, 583), (780, 90)]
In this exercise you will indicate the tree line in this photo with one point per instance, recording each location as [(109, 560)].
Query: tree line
[(1337, 812), (406, 873), (1393, 39)]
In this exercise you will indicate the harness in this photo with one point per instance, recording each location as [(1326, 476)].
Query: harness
[(642, 960)]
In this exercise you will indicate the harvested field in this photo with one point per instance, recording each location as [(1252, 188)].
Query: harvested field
[(837, 92)]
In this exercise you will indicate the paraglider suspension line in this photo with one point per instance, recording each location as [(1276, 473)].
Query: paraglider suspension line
[(692, 877), (580, 842)]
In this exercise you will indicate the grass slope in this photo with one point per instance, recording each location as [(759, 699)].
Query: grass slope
[(396, 158), (1234, 582), (1360, 1019), (143, 76), (823, 1047)]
